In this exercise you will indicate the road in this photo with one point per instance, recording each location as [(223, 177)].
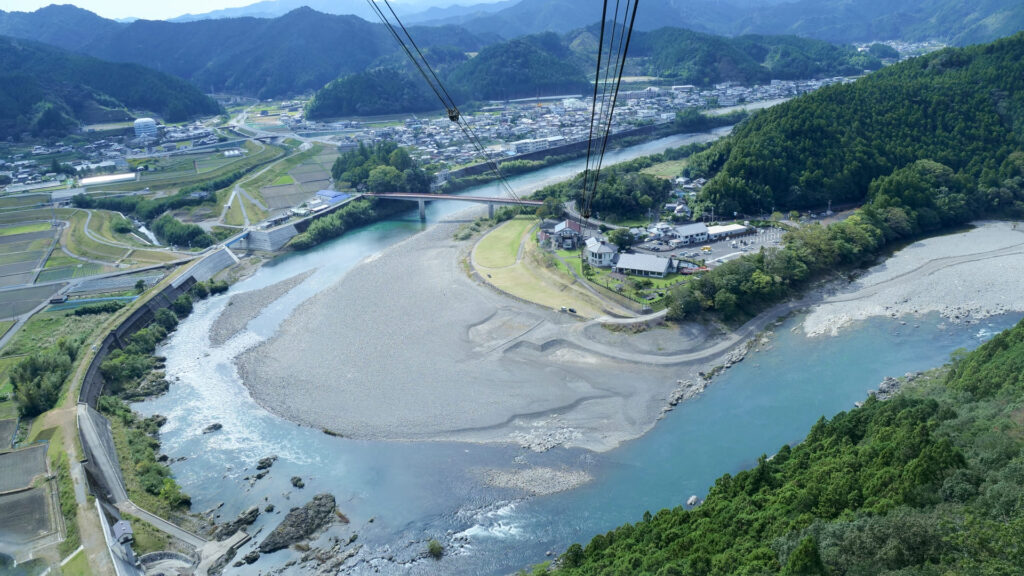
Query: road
[(128, 507)]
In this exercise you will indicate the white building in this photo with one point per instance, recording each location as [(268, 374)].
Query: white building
[(692, 233), (599, 254), (145, 127), (727, 231)]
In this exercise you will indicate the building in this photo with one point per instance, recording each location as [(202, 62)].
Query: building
[(643, 265), (599, 254), (145, 127), (691, 233), (331, 196), (727, 231), (565, 234)]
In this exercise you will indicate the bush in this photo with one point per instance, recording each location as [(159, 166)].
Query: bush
[(435, 549), (99, 308), (182, 306)]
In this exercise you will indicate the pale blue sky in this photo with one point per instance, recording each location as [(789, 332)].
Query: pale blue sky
[(162, 9)]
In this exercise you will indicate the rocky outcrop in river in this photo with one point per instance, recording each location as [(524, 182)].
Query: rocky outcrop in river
[(301, 523)]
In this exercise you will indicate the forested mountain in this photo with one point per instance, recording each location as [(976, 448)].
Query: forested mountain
[(703, 59), (49, 91), (952, 21), (529, 66), (64, 26), (370, 93), (298, 52), (928, 483), (546, 65), (963, 108)]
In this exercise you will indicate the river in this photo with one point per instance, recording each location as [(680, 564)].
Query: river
[(398, 495)]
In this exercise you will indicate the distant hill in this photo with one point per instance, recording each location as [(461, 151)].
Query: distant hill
[(547, 64), (49, 91), (703, 59), (952, 21), (372, 93), (64, 26), (298, 52), (529, 66), (960, 108)]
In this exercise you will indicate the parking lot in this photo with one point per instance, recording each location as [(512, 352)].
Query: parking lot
[(721, 250)]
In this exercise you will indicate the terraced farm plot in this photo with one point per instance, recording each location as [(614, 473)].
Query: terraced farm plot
[(18, 468), (13, 202), (21, 253), (8, 428), (19, 301), (25, 516), (71, 272), (279, 197)]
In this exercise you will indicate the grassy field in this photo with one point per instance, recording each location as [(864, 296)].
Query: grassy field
[(255, 213), (500, 247), (44, 329), (13, 202), (667, 170), (536, 277), (24, 228), (78, 565), (75, 240), (147, 538), (102, 223), (283, 179), (79, 244), (234, 215)]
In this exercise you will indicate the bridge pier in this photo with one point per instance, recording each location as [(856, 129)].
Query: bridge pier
[(423, 210), (490, 210)]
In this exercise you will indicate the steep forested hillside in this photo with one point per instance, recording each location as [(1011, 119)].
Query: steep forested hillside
[(524, 67), (703, 59), (371, 93), (963, 108), (928, 483), (48, 91)]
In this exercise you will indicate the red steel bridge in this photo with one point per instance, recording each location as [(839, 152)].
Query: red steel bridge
[(422, 199)]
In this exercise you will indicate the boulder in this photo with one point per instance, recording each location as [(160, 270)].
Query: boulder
[(247, 517), (300, 523)]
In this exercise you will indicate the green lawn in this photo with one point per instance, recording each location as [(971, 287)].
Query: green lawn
[(147, 538), (283, 180), (499, 247), (79, 564), (25, 228), (667, 170)]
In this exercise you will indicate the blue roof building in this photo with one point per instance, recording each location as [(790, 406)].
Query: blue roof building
[(332, 196)]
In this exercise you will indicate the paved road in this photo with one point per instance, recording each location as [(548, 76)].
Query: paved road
[(128, 507)]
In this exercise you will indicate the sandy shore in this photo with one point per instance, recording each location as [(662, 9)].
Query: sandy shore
[(244, 307), (407, 347), (965, 276)]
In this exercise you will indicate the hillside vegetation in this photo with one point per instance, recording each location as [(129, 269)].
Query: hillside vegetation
[(928, 483), (963, 108), (48, 91)]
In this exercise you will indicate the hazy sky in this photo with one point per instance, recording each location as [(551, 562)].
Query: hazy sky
[(162, 9)]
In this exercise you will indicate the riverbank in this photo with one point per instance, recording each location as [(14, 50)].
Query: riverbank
[(965, 277)]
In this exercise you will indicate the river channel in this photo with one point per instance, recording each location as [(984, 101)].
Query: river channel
[(398, 495)]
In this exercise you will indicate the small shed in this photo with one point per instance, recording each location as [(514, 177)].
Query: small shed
[(122, 532)]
